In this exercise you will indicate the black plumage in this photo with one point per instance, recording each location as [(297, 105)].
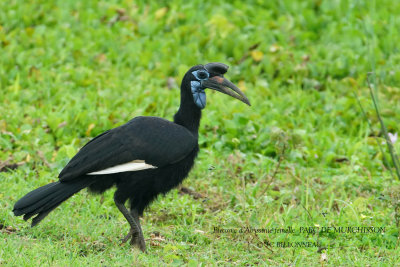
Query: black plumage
[(143, 158)]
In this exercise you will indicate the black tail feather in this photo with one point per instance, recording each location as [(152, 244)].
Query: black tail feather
[(43, 200)]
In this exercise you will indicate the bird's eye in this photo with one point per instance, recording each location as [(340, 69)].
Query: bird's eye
[(202, 74)]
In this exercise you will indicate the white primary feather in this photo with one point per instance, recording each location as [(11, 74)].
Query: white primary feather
[(136, 165)]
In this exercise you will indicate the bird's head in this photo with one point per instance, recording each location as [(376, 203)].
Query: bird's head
[(211, 76)]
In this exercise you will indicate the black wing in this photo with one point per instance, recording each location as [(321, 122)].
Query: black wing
[(156, 141)]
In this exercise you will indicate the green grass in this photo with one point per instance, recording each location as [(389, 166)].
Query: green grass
[(70, 70)]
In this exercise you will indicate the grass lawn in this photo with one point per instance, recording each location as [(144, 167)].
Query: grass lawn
[(303, 156)]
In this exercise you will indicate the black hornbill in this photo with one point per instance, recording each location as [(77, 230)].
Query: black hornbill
[(142, 158)]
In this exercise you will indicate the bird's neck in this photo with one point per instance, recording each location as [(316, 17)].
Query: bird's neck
[(188, 114)]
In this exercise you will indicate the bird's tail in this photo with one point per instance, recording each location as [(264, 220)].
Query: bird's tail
[(43, 200)]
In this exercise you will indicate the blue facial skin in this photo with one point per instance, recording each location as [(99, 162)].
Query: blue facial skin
[(199, 96)]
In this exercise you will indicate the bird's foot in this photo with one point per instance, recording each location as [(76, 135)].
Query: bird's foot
[(128, 236), (141, 244), (136, 238)]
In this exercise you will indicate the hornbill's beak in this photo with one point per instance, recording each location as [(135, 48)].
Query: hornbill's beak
[(222, 85)]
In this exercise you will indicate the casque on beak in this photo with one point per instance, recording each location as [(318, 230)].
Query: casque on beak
[(223, 85)]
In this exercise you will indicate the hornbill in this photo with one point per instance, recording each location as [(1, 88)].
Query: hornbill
[(143, 158)]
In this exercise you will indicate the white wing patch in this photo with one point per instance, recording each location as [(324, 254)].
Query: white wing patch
[(136, 165)]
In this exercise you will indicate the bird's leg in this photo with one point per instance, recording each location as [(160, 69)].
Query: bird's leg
[(140, 240), (135, 231)]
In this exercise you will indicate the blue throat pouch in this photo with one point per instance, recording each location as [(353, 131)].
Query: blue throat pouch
[(199, 96)]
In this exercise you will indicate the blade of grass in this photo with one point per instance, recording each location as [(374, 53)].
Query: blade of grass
[(384, 130), (377, 141)]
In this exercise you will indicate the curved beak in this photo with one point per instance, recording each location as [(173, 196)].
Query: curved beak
[(223, 85)]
